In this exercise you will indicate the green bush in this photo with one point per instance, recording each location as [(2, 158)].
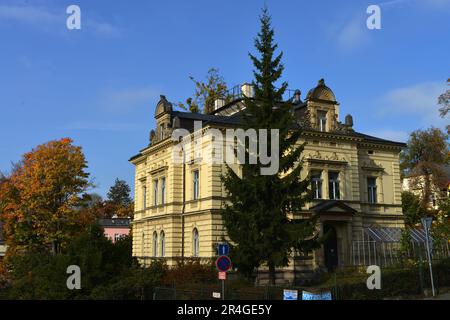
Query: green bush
[(395, 282)]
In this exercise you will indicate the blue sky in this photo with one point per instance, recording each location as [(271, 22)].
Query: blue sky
[(99, 85)]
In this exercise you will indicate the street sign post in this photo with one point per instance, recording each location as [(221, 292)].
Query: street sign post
[(223, 264), (222, 275), (426, 222)]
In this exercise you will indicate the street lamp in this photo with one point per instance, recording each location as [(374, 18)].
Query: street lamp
[(426, 223)]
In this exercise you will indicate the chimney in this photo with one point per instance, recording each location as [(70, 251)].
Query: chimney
[(219, 103), (247, 90)]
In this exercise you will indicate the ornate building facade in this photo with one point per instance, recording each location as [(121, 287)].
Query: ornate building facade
[(355, 180)]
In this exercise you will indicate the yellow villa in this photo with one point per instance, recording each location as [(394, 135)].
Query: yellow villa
[(355, 181)]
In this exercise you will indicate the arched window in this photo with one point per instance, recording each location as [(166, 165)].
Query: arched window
[(155, 244), (195, 243), (163, 243)]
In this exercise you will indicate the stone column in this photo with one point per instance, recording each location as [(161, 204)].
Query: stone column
[(325, 190)]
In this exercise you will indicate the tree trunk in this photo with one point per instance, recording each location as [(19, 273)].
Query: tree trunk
[(271, 274)]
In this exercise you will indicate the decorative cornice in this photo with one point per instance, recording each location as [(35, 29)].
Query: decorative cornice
[(333, 159)]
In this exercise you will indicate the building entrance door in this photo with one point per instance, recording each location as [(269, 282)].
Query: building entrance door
[(330, 247)]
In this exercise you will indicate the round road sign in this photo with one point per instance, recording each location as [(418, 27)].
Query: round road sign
[(223, 263)]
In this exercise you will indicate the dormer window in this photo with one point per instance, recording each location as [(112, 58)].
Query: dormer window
[(161, 132), (322, 120)]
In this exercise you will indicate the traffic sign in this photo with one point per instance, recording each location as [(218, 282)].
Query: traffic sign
[(316, 296), (223, 263), (222, 275), (223, 249), (290, 294)]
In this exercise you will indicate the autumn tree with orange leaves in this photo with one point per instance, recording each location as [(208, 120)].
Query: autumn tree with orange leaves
[(38, 199)]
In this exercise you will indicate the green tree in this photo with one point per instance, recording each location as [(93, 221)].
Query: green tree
[(37, 274), (422, 161), (412, 208), (119, 193), (206, 93), (256, 214), (444, 101)]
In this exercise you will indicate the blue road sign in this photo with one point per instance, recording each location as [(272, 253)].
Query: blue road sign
[(223, 263), (223, 249), (316, 296), (290, 294)]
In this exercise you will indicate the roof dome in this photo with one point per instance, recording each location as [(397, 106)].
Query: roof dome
[(321, 92)]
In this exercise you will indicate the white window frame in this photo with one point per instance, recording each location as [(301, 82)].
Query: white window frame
[(332, 183), (144, 197), (155, 244), (163, 190), (322, 116), (316, 183), (161, 131), (162, 237), (196, 184), (372, 190), (155, 192)]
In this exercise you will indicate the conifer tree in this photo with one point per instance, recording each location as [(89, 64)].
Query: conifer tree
[(260, 209)]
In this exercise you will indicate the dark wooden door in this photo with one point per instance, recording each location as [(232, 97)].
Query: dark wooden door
[(330, 247)]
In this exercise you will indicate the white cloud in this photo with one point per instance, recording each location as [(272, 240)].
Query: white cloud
[(347, 34), (431, 4), (352, 35), (29, 14), (43, 18), (418, 100)]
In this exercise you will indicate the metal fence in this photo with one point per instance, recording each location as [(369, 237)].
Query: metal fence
[(236, 93), (206, 293), (384, 247)]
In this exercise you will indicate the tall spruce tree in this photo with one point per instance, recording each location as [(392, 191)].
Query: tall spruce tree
[(119, 193), (257, 214)]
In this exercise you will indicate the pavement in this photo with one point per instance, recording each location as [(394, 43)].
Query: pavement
[(444, 296)]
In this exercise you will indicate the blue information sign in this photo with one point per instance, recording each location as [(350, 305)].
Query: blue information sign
[(316, 296), (223, 249)]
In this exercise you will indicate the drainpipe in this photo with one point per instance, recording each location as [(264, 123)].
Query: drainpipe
[(184, 206)]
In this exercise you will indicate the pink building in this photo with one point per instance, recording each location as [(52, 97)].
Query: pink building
[(115, 228)]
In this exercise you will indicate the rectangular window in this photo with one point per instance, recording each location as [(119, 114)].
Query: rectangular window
[(433, 200), (322, 118), (196, 189), (161, 131), (316, 184), (144, 197), (155, 192), (163, 190), (116, 237), (333, 185), (372, 189)]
